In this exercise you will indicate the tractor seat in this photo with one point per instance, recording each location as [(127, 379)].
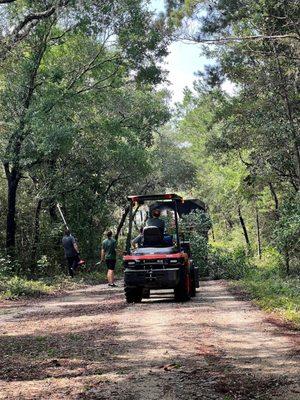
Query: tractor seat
[(152, 237)]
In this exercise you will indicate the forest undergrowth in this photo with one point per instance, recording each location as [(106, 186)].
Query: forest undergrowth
[(86, 137), (14, 287), (263, 280)]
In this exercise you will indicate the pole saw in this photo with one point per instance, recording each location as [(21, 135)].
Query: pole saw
[(62, 216)]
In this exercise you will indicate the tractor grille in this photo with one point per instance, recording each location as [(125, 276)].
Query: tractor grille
[(153, 264)]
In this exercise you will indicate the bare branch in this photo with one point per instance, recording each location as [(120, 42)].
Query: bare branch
[(54, 38), (95, 85), (113, 182), (26, 25), (225, 40), (31, 17), (243, 161), (84, 70)]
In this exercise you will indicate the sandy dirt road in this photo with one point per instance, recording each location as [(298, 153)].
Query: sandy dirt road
[(89, 345)]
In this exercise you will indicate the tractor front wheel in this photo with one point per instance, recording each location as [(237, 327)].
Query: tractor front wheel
[(146, 293), (133, 295)]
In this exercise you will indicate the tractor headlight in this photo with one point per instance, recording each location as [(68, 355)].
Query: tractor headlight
[(174, 261), (131, 263)]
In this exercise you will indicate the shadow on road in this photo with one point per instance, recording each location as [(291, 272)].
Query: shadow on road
[(94, 346)]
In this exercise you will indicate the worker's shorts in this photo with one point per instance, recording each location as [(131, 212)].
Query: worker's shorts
[(111, 264)]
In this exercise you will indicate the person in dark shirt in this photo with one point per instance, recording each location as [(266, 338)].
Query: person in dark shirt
[(156, 221), (109, 255), (71, 251)]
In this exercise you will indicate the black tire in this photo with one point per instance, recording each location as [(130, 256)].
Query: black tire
[(146, 294), (193, 282), (133, 295), (181, 291)]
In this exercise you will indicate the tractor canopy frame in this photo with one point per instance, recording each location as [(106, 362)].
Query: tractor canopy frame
[(170, 200)]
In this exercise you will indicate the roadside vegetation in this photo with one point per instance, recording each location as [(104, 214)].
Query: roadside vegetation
[(275, 293), (13, 287), (84, 122), (240, 126), (262, 280)]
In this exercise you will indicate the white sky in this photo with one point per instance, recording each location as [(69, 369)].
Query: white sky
[(183, 61)]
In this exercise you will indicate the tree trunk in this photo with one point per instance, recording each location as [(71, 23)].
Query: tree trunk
[(13, 170), (276, 202), (287, 260), (213, 233), (13, 179), (259, 252), (52, 212), (122, 222), (36, 236), (229, 223), (123, 219), (243, 225)]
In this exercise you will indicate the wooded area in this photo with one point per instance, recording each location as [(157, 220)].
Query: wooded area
[(86, 119), (79, 112), (84, 122), (246, 145)]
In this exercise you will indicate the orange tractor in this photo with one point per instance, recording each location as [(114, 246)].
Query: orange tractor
[(162, 261)]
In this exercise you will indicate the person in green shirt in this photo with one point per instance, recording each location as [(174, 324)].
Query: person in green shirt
[(109, 255)]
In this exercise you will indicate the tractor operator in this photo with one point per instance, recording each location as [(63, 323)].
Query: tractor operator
[(156, 221)]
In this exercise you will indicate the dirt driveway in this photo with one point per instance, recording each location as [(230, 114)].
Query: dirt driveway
[(90, 345)]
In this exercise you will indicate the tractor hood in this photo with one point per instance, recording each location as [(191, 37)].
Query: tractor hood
[(151, 256), (154, 250)]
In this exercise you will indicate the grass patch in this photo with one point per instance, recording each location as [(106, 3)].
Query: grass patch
[(263, 279), (15, 287), (274, 293), (12, 288)]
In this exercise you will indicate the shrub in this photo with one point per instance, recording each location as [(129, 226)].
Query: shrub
[(43, 265), (275, 293), (12, 288), (286, 234), (195, 227), (225, 264), (8, 267)]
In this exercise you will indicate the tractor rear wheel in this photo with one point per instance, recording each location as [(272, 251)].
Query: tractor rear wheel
[(133, 295), (193, 282), (182, 290)]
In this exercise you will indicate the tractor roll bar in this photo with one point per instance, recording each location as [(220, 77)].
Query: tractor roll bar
[(138, 200), (177, 225), (128, 240), (147, 197)]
